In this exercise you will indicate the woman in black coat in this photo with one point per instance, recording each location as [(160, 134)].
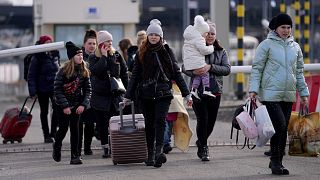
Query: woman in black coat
[(41, 74), (153, 82), (106, 62), (206, 109)]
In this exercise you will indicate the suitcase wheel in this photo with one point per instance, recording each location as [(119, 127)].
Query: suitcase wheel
[(4, 141), (19, 140), (12, 141), (114, 163)]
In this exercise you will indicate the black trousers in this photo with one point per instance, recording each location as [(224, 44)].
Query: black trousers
[(43, 99), (71, 120), (206, 112), (279, 113), (155, 112), (102, 123), (87, 120)]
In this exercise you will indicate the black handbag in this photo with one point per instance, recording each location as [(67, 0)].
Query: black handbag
[(117, 85)]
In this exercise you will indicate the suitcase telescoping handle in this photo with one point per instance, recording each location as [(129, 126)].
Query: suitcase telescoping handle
[(25, 101), (122, 106)]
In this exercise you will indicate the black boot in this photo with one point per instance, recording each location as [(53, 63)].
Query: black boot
[(200, 149), (106, 152), (267, 153), (75, 159), (277, 168), (285, 170), (160, 157), (167, 148), (205, 154), (56, 152), (150, 160)]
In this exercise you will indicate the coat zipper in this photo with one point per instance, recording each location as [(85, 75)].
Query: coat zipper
[(286, 61)]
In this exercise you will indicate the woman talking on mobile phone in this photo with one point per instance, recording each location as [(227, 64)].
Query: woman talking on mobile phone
[(106, 62)]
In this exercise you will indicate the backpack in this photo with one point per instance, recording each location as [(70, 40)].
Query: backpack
[(26, 64)]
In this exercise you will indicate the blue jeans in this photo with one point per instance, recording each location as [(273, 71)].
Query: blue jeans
[(167, 133)]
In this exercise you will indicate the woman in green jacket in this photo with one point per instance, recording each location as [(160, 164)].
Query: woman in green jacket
[(277, 73)]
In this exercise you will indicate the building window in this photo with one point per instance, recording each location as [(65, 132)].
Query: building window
[(75, 34)]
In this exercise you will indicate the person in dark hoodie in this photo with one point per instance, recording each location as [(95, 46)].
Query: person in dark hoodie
[(41, 74), (72, 90), (87, 118)]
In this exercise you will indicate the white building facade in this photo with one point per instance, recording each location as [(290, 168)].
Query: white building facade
[(67, 20)]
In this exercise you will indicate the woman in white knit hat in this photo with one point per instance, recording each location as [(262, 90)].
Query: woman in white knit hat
[(105, 63), (194, 52), (154, 69)]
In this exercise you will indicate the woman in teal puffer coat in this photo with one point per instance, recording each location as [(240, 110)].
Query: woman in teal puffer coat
[(277, 73)]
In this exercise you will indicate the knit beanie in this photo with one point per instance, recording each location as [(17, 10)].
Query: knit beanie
[(212, 26), (72, 49), (200, 24), (44, 38), (279, 20), (103, 36), (155, 27)]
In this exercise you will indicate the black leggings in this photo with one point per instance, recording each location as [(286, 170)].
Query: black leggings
[(206, 111), (155, 112), (102, 120), (43, 99), (279, 113), (71, 120), (87, 119)]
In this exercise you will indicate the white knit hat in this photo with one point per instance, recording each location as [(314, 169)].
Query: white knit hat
[(200, 24), (212, 26), (155, 27), (103, 36)]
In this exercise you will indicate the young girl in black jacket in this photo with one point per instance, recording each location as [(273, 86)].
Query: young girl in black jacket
[(72, 91)]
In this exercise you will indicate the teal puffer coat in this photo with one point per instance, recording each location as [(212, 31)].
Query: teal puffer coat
[(277, 70)]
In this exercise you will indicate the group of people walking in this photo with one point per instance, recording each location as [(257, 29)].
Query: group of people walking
[(80, 90)]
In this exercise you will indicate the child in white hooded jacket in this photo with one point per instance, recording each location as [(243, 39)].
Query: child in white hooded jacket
[(194, 52)]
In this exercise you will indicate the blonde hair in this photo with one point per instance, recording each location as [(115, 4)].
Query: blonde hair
[(141, 36), (98, 52), (68, 68)]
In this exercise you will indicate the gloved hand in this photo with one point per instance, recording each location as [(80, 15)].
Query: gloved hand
[(189, 100)]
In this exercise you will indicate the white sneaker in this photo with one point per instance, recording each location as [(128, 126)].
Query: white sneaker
[(194, 93), (208, 93)]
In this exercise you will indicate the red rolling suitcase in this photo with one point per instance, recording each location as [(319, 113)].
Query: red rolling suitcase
[(127, 137), (15, 123)]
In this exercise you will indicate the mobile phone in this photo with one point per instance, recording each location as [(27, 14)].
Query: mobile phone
[(102, 46)]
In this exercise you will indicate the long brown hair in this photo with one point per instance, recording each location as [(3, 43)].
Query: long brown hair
[(69, 68), (142, 50), (217, 45)]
